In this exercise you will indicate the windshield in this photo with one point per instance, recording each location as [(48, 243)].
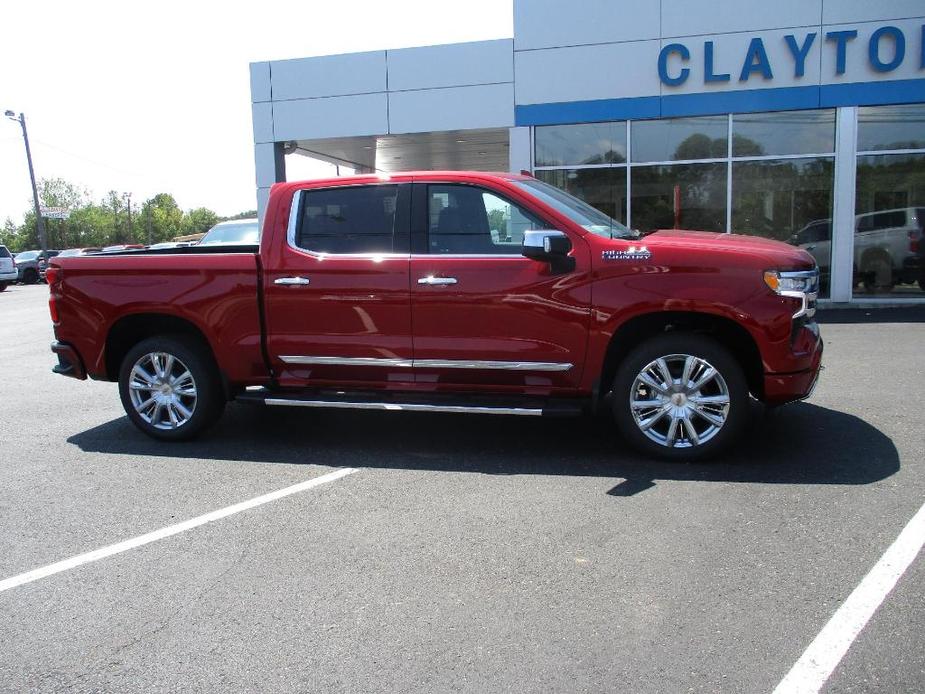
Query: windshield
[(232, 232), (26, 256), (577, 210)]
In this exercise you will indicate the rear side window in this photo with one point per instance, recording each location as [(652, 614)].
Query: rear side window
[(4, 252), (349, 220)]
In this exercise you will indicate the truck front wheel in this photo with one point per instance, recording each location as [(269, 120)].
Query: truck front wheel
[(170, 387), (680, 396)]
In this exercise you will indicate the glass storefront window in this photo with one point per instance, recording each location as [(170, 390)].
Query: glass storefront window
[(587, 144), (679, 196), (891, 127), (889, 239), (788, 200), (604, 189), (785, 132), (676, 139)]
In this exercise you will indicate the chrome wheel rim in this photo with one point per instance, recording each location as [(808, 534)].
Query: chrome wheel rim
[(162, 390), (679, 401)]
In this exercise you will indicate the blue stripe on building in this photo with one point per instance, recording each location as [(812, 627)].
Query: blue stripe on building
[(744, 101)]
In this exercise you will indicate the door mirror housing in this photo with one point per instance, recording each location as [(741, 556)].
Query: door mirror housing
[(549, 246)]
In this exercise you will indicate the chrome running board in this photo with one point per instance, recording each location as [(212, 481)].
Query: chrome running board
[(404, 407)]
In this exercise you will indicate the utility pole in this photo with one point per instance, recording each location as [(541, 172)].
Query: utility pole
[(130, 236), (148, 220), (39, 222)]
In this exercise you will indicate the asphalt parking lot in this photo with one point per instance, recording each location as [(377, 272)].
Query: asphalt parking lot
[(466, 553)]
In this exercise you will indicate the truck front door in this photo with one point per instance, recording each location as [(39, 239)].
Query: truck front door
[(484, 315)]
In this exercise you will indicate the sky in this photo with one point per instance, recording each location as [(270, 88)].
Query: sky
[(155, 97)]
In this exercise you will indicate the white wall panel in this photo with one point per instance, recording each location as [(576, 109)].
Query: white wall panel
[(260, 82), (263, 197), (264, 164), (842, 11), (555, 23), (338, 116), (587, 72), (458, 108), (332, 75), (688, 17), (453, 65), (857, 63), (262, 114), (520, 152)]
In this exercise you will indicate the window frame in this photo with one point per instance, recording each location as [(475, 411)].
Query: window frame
[(401, 227), (420, 234)]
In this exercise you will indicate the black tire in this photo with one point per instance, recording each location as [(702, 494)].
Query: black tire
[(684, 449), (3, 286), (30, 276), (204, 409)]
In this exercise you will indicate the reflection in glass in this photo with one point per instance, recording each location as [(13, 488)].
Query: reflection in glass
[(787, 200), (604, 189), (679, 196), (785, 132), (592, 143), (889, 240), (675, 139), (891, 127)]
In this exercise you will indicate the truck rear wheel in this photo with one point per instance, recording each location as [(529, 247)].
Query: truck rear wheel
[(681, 397), (170, 387)]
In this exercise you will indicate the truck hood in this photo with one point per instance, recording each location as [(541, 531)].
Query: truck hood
[(776, 253)]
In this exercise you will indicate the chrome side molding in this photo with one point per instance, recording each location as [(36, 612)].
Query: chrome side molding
[(428, 363)]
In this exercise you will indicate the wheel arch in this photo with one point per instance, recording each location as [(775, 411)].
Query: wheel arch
[(129, 330), (726, 331)]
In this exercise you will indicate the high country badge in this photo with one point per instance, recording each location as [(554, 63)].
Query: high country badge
[(631, 253)]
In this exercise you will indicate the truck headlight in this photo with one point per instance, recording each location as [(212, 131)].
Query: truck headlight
[(802, 285)]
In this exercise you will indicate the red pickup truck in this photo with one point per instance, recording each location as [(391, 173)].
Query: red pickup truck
[(448, 292)]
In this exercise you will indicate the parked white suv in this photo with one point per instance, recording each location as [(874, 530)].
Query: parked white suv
[(7, 268), (887, 247)]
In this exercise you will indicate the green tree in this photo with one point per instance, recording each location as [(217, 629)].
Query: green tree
[(199, 221)]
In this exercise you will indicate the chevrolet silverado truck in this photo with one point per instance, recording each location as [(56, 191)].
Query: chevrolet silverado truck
[(457, 292)]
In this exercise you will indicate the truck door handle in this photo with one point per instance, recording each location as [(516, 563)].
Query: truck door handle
[(294, 281), (437, 280)]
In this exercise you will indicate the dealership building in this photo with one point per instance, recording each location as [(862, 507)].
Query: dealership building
[(799, 120)]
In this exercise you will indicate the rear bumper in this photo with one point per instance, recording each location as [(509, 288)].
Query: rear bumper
[(784, 388), (10, 276), (69, 361)]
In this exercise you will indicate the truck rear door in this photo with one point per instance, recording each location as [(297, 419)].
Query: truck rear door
[(336, 292)]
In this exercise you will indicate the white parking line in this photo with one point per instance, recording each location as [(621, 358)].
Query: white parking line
[(126, 545), (824, 654)]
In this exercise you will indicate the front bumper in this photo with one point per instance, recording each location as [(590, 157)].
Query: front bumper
[(69, 361), (783, 388)]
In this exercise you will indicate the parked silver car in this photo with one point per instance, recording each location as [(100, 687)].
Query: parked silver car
[(7, 268), (30, 264), (235, 232)]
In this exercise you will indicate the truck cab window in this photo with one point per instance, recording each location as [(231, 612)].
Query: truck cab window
[(357, 219), (467, 220)]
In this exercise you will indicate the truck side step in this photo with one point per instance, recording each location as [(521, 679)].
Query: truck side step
[(412, 402)]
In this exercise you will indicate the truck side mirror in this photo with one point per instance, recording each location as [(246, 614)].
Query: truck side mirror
[(549, 246)]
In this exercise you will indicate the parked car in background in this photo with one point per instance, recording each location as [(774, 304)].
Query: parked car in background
[(73, 252), (169, 244), (816, 239), (121, 247), (7, 268), (886, 247), (31, 264), (236, 232)]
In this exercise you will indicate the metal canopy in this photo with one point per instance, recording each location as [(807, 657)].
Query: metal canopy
[(477, 150)]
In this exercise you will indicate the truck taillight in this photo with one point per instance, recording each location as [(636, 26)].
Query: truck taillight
[(52, 274), (915, 238)]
